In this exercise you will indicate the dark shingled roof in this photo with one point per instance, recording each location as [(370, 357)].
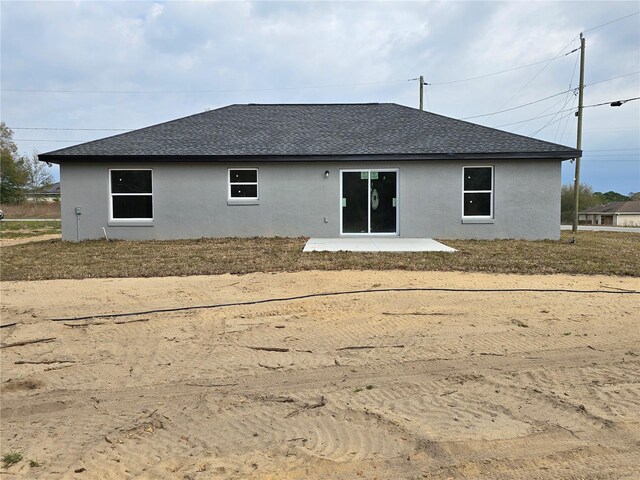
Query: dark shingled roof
[(312, 131), (616, 207)]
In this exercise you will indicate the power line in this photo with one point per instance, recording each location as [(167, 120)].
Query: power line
[(519, 106), (608, 129), (610, 149), (45, 140), (567, 99), (568, 117), (570, 110), (612, 21), (552, 122), (152, 92), (611, 103), (550, 96), (502, 71), (612, 160), (560, 55), (72, 129), (498, 126), (614, 78), (536, 75), (631, 156)]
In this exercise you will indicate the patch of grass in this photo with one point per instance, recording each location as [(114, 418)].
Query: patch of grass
[(28, 229), (368, 387), (32, 210), (604, 253), (34, 463), (11, 459)]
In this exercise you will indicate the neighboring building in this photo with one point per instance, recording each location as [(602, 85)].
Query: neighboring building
[(50, 193), (322, 170), (617, 214)]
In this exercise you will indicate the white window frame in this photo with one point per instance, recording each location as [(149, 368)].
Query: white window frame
[(111, 195), (490, 216), (230, 198)]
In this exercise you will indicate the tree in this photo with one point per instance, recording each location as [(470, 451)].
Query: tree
[(634, 195), (586, 200), (610, 196), (13, 172), (39, 177)]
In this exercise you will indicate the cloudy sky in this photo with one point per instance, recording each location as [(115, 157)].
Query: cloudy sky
[(77, 71)]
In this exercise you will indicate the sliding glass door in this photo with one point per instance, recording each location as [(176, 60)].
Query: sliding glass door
[(369, 201)]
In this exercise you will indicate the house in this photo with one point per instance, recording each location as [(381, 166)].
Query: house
[(322, 170), (50, 193), (617, 214)]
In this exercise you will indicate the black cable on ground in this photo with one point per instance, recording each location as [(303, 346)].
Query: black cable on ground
[(346, 292)]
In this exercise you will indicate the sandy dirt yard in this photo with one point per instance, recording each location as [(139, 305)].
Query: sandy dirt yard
[(442, 385)]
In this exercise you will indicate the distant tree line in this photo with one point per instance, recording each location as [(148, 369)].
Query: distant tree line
[(19, 174), (588, 198)]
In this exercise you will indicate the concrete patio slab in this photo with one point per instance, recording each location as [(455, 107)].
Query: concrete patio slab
[(373, 244)]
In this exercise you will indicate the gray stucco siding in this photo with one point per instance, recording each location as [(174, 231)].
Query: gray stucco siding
[(190, 200)]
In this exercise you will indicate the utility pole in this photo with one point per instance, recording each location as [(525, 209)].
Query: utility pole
[(421, 91), (576, 183)]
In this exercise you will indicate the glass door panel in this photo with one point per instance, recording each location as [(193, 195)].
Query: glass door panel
[(383, 202), (355, 191)]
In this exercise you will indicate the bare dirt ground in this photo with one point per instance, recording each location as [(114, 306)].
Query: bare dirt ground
[(451, 385)]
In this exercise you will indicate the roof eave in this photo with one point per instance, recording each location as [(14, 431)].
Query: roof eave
[(552, 155)]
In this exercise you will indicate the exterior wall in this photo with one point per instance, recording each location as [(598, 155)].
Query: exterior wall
[(190, 200), (627, 220)]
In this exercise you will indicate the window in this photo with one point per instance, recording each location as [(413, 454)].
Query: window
[(131, 194), (477, 192), (243, 183)]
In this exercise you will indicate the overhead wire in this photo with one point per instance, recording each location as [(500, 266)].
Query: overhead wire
[(613, 78), (515, 108), (612, 21), (152, 92), (568, 119), (30, 90), (558, 56), (550, 96), (450, 82), (463, 118), (498, 126), (536, 75), (570, 110), (73, 129), (611, 149), (573, 74)]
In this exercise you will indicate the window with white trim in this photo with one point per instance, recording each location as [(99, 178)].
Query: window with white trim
[(243, 183), (131, 193), (477, 192)]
